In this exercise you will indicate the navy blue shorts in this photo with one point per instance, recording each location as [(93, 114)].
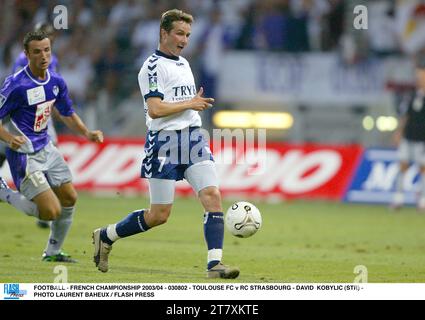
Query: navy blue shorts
[(168, 153)]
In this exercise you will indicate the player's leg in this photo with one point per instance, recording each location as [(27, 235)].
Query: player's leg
[(66, 197), (162, 197), (18, 167), (398, 199), (203, 179), (405, 155), (17, 200), (59, 177), (47, 204), (54, 138), (49, 208)]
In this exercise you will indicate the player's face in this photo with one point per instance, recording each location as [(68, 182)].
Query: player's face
[(177, 39), (39, 54)]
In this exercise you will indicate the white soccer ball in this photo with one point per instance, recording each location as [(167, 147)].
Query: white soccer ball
[(243, 219)]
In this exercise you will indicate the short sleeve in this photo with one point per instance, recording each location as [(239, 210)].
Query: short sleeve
[(151, 79), (63, 101), (8, 98)]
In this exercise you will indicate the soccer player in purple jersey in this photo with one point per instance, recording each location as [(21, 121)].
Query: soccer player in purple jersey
[(21, 63), (39, 171)]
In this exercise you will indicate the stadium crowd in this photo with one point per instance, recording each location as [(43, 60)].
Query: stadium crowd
[(106, 41)]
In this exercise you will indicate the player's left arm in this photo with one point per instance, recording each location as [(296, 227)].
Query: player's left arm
[(71, 118), (77, 125)]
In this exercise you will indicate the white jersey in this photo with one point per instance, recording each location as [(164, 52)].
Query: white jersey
[(169, 78)]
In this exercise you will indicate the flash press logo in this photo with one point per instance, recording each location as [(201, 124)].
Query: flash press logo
[(12, 291)]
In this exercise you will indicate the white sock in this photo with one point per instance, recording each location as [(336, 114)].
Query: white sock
[(111, 232), (17, 200), (215, 255), (58, 231)]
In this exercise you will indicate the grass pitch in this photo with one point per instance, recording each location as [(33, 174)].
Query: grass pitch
[(299, 242)]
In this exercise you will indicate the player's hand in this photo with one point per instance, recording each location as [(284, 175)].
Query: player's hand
[(16, 142), (200, 103), (95, 136)]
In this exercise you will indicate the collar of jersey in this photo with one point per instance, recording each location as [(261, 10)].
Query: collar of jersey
[(32, 77), (162, 54)]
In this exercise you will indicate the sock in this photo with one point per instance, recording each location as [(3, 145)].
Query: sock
[(214, 234), (17, 200), (132, 224), (58, 231)]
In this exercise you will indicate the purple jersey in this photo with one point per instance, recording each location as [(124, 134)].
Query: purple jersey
[(28, 102), (22, 61)]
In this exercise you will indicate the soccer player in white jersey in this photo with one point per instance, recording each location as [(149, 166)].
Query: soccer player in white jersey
[(38, 169), (174, 149)]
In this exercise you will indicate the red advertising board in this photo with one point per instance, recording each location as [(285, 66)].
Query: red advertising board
[(286, 171)]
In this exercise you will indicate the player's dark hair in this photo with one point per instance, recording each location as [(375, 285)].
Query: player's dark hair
[(45, 27), (171, 16), (34, 35)]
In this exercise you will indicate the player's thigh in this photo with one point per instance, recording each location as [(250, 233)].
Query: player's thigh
[(204, 181), (33, 184), (66, 194), (48, 205), (57, 170), (161, 191), (202, 175), (161, 198)]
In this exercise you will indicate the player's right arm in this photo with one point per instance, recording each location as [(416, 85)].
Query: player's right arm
[(8, 103), (157, 108)]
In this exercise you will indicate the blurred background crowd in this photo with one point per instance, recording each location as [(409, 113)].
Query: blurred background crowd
[(107, 41)]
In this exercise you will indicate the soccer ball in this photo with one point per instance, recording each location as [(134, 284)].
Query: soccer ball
[(243, 219)]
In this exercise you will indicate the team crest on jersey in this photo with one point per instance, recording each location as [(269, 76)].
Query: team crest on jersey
[(36, 95), (55, 90), (2, 100), (153, 83)]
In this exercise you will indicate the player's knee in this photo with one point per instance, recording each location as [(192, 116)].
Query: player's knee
[(211, 192), (210, 195), (50, 212), (159, 216), (69, 200), (161, 220)]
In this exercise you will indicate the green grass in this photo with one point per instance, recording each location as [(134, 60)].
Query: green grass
[(299, 242)]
